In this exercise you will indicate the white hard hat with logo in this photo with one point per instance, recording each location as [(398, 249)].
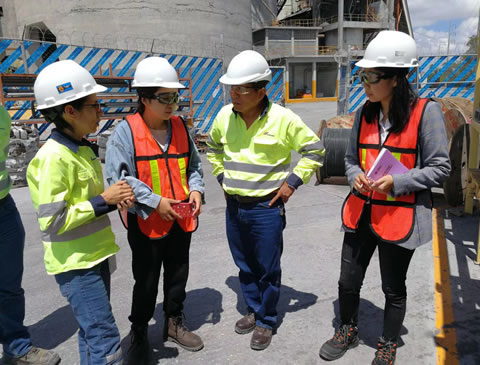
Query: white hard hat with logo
[(156, 72), (63, 82), (390, 49), (246, 67)]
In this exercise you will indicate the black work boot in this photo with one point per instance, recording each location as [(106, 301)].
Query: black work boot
[(385, 355), (345, 338), (174, 330), (139, 349)]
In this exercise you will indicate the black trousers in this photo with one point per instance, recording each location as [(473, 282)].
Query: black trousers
[(148, 256), (357, 251)]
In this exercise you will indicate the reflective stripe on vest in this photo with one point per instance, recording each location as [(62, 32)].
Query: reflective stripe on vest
[(164, 172), (391, 218)]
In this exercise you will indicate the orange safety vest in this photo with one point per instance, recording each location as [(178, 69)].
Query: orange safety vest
[(391, 219), (164, 172)]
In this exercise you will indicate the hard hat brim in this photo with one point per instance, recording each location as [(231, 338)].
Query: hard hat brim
[(167, 85), (245, 80), (363, 63)]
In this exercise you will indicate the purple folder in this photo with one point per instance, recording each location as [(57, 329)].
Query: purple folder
[(385, 164)]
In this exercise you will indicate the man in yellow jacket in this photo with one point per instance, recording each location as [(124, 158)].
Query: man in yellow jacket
[(250, 148)]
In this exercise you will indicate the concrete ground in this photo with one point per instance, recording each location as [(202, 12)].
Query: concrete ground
[(308, 307)]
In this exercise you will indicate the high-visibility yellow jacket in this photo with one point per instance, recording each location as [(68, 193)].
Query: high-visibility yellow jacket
[(5, 125), (256, 161), (65, 180)]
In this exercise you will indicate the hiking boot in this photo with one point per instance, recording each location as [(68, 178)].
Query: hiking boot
[(261, 338), (181, 335), (36, 356), (345, 338), (139, 349), (246, 324), (385, 355)]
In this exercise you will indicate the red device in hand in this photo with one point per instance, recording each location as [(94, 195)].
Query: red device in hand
[(184, 210)]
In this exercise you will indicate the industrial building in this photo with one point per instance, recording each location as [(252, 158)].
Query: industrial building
[(311, 37)]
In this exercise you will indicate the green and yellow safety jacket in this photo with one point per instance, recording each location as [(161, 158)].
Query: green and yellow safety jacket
[(5, 125), (256, 161), (65, 180)]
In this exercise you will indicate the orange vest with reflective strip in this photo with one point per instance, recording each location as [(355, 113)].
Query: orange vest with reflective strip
[(391, 219), (164, 172)]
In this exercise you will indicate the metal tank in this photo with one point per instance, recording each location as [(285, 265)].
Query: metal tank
[(213, 28)]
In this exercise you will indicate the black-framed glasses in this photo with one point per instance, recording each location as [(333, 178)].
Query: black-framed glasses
[(98, 106), (167, 98), (241, 90), (372, 77)]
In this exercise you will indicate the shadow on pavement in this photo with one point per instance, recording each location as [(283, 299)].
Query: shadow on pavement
[(200, 307), (54, 329), (290, 301), (462, 233)]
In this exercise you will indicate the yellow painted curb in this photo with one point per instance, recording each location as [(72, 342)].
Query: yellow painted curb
[(446, 338)]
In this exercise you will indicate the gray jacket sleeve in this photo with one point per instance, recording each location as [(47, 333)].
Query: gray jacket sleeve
[(194, 170), (433, 163), (352, 164), (120, 165)]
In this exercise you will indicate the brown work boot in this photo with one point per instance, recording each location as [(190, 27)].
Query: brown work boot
[(36, 356), (246, 324), (261, 338), (178, 333)]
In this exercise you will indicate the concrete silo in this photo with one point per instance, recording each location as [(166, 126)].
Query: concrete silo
[(214, 28)]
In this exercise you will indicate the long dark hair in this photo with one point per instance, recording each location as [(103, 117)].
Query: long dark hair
[(404, 97), (55, 114), (144, 92)]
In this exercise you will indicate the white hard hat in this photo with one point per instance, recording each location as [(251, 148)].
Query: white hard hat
[(156, 72), (247, 66), (63, 82), (390, 49)]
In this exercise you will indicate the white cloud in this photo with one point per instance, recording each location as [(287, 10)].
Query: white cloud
[(425, 13)]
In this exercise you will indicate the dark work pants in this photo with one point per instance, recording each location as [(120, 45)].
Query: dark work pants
[(148, 256), (357, 251)]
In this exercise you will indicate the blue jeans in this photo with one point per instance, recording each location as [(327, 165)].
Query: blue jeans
[(13, 334), (255, 237), (88, 292)]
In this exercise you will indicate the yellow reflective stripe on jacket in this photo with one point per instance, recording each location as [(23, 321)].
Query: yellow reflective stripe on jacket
[(156, 187), (364, 159), (83, 231), (183, 173), (398, 156)]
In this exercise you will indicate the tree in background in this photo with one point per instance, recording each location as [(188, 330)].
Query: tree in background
[(472, 44)]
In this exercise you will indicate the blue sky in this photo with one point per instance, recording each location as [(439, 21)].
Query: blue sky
[(431, 20)]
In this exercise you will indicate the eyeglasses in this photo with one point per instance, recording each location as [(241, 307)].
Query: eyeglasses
[(371, 77), (241, 90), (98, 106), (167, 98)]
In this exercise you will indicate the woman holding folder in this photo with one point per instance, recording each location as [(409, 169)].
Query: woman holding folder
[(392, 213)]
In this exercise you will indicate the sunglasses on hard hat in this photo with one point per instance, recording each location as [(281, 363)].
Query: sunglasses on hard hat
[(372, 77), (167, 98)]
